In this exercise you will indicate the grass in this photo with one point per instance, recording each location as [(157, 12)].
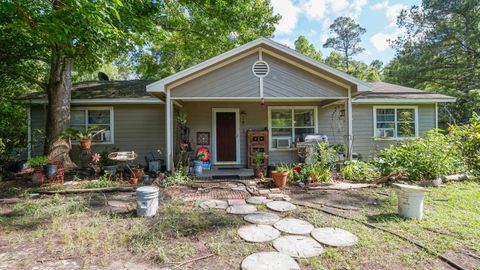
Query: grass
[(78, 226)]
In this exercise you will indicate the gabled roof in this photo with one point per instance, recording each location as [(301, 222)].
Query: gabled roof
[(159, 86)]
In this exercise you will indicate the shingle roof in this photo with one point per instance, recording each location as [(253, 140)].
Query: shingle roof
[(105, 90), (388, 90)]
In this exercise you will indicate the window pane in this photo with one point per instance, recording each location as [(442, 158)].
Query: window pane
[(98, 117), (405, 115), (300, 133), (385, 114), (304, 118), (281, 132), (406, 129), (281, 118), (77, 117), (104, 136), (81, 128)]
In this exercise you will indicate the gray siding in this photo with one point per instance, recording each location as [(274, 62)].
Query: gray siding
[(38, 122), (366, 145), (287, 80), (139, 128), (233, 80)]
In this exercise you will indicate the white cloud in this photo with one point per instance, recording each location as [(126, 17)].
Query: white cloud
[(319, 9), (367, 52), (287, 42), (380, 40), (391, 11), (323, 38), (289, 13)]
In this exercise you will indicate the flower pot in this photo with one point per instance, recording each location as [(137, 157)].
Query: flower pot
[(111, 170), (280, 178), (86, 144), (137, 173), (50, 169), (38, 176), (258, 172), (133, 180)]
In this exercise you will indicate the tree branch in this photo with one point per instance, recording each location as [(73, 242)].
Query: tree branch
[(28, 77)]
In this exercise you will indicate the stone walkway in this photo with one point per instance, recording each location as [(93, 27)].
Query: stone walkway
[(300, 239)]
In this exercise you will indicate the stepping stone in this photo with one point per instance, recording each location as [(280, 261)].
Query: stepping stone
[(262, 218), (280, 206), (258, 200), (334, 237), (217, 204), (298, 246), (294, 226), (236, 201), (241, 209), (258, 233), (269, 261)]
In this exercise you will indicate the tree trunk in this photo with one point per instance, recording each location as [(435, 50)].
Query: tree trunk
[(58, 110)]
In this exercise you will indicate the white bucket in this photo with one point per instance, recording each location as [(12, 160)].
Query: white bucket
[(410, 200), (147, 201)]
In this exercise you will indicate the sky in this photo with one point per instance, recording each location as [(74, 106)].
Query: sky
[(312, 19)]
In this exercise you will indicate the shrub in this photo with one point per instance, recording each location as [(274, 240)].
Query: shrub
[(467, 140), (178, 177), (356, 170), (424, 158)]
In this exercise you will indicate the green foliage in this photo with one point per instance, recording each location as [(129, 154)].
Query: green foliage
[(104, 160), (102, 182), (302, 45), (283, 167), (439, 52), (425, 158), (178, 177), (346, 38), (198, 30), (467, 139), (37, 161), (258, 158), (74, 134), (356, 170)]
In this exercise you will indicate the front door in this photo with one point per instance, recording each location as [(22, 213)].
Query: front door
[(226, 139)]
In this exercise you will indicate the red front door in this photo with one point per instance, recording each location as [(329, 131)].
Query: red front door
[(226, 137)]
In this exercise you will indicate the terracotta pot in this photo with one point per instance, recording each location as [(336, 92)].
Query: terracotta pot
[(280, 178), (133, 180), (138, 173), (38, 176), (86, 144), (258, 172)]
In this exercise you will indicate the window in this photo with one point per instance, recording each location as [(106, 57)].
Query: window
[(288, 125), (83, 119), (395, 122)]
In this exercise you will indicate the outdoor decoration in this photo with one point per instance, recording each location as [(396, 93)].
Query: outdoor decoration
[(203, 138), (125, 157), (203, 154), (280, 175)]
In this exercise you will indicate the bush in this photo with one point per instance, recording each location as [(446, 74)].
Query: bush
[(178, 177), (356, 170), (426, 158), (467, 140)]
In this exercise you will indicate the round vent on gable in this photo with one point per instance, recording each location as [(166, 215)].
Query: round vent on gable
[(260, 69)]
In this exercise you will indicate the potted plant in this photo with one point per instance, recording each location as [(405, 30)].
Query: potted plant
[(108, 165), (133, 180), (258, 159), (37, 164), (280, 175), (86, 138), (137, 171)]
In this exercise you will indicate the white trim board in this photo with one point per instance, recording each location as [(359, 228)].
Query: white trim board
[(400, 100), (396, 130), (160, 86), (214, 135)]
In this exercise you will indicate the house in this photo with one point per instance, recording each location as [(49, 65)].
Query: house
[(261, 85)]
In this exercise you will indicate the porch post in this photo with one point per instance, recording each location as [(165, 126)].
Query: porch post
[(169, 130), (349, 126)]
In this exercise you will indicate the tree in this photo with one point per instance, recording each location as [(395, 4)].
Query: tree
[(199, 30), (302, 45), (54, 35), (358, 69), (440, 51), (347, 38)]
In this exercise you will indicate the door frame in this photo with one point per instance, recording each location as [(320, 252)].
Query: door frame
[(214, 135)]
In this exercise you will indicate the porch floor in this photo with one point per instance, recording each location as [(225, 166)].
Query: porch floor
[(217, 173)]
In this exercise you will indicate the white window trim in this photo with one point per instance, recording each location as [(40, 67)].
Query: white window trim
[(415, 108), (270, 108), (112, 128)]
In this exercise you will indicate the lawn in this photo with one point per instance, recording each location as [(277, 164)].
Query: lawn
[(82, 229)]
